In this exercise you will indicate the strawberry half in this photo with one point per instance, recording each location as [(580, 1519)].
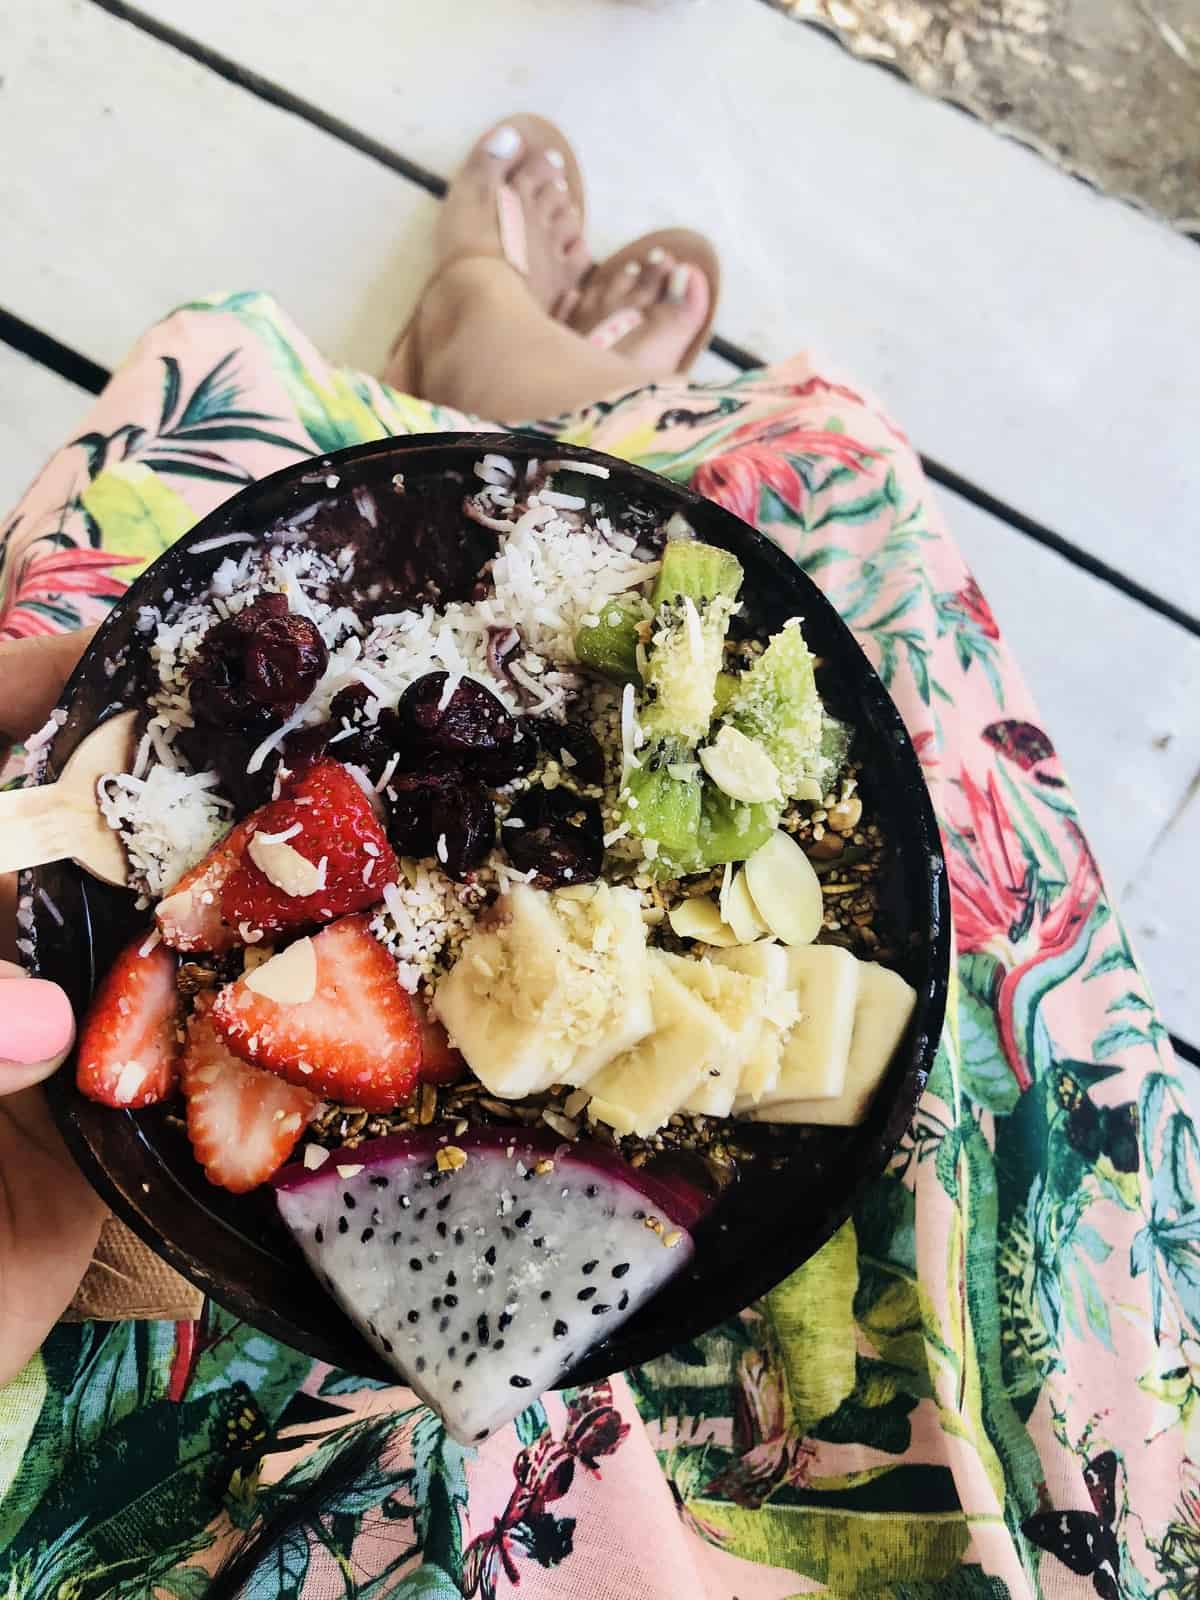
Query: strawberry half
[(357, 1040), (243, 1123), (440, 1061), (189, 918), (322, 816), (129, 1043)]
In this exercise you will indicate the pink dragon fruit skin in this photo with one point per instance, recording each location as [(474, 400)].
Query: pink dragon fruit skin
[(482, 1284)]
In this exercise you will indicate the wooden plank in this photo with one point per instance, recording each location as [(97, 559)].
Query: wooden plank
[(1026, 330), (40, 411), (1117, 687), (151, 182)]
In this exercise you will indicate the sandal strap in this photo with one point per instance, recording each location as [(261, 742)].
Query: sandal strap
[(510, 217), (615, 327)]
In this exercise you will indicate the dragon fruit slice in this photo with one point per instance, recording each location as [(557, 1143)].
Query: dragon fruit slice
[(483, 1267)]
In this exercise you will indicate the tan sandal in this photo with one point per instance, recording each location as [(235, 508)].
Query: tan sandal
[(537, 133), (690, 249)]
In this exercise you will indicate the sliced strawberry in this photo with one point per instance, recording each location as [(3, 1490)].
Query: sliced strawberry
[(189, 918), (440, 1061), (322, 816), (357, 1041), (243, 1123), (129, 1043)]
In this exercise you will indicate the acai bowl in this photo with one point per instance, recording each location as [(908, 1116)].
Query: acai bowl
[(507, 822)]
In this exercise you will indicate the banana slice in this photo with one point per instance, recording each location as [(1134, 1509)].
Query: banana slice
[(785, 889), (638, 1091), (824, 979), (760, 1070), (547, 985), (624, 953), (741, 1004), (885, 1004)]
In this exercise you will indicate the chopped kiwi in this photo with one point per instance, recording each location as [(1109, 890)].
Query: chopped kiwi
[(610, 647), (701, 572), (694, 599), (777, 704)]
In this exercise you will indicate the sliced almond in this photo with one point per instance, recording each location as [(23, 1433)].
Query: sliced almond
[(290, 978), (742, 914), (286, 868), (785, 889), (740, 767), (699, 918)]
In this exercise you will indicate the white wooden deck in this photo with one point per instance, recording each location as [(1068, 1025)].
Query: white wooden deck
[(1035, 338)]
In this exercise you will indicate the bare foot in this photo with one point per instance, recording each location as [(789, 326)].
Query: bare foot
[(660, 300), (511, 201)]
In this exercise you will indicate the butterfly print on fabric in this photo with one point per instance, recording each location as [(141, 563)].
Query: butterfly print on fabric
[(1086, 1541)]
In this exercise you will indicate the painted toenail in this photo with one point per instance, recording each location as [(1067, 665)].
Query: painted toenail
[(632, 268), (656, 255), (556, 158), (677, 283), (504, 142)]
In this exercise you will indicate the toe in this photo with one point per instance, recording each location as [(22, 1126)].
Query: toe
[(577, 256), (497, 155), (537, 179), (652, 280)]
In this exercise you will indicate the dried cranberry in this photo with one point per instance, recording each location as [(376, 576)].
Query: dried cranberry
[(284, 658), (511, 760), (579, 744), (562, 837), (472, 719), (556, 856), (349, 704), (409, 800), (306, 746), (226, 751), (464, 820), (218, 692), (253, 668)]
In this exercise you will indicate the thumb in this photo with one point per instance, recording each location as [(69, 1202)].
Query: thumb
[(33, 672), (36, 1029)]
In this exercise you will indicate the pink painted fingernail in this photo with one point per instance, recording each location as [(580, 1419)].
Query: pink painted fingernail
[(35, 1021)]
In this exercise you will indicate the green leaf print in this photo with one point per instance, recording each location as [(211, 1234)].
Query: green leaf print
[(531, 1424), (172, 383), (876, 1414), (1117, 958), (965, 1583), (811, 1315), (987, 1077), (1121, 1036), (427, 1583), (24, 1398), (120, 1366), (234, 1352), (138, 515), (282, 1574), (149, 1484), (333, 413), (1014, 1449), (335, 1383), (853, 1553)]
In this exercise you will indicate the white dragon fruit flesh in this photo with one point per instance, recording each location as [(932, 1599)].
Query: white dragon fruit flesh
[(482, 1282)]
